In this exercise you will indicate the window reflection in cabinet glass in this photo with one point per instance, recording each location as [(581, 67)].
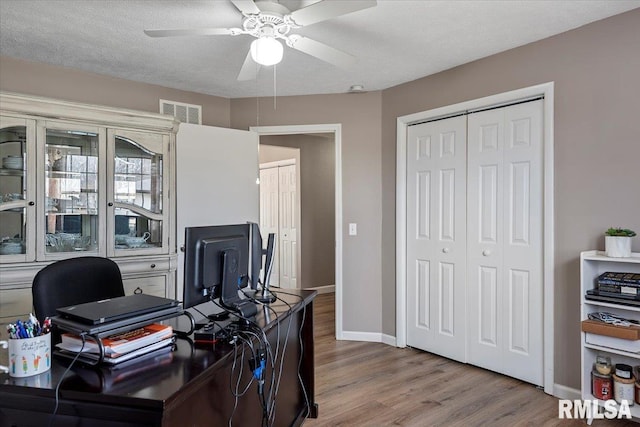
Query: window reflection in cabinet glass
[(13, 184), (71, 190), (138, 183), (138, 178)]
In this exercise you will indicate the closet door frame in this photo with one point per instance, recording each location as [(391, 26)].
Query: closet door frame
[(547, 91)]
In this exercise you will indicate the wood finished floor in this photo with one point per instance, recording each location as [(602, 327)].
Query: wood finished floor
[(373, 384)]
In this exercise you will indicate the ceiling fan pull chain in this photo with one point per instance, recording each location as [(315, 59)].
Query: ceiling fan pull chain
[(274, 86), (257, 103)]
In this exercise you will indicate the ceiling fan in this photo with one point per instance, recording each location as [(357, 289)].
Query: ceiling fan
[(269, 21)]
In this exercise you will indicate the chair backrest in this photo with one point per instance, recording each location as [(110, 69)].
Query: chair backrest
[(75, 281)]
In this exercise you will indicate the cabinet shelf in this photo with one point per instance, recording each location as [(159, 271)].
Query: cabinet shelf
[(602, 349), (592, 265), (611, 305), (601, 256), (12, 172)]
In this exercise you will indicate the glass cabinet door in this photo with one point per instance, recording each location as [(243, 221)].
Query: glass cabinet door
[(17, 189), (72, 170), (139, 192)]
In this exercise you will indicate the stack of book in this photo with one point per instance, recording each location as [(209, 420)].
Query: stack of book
[(147, 340), (619, 285)]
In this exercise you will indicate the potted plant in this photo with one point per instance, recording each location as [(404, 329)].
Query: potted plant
[(617, 242)]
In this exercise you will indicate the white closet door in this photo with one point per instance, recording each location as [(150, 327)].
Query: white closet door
[(269, 214), (504, 279), (436, 234), (288, 226)]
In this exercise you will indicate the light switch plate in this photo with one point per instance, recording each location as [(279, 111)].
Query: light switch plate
[(353, 229)]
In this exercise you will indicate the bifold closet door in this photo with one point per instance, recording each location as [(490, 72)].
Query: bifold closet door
[(504, 241), (436, 233), (278, 214), (270, 214), (288, 224)]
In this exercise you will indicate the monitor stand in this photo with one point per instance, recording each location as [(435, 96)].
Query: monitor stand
[(218, 317), (264, 295), (229, 297)]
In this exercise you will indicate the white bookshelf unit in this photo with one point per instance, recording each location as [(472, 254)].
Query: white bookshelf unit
[(592, 264)]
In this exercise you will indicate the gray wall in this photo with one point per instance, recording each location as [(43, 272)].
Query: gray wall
[(317, 205), (20, 76), (360, 117), (272, 153), (596, 71)]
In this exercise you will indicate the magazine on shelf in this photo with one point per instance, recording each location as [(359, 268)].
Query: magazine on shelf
[(115, 358), (120, 343), (619, 278)]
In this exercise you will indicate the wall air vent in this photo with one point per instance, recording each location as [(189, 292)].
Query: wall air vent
[(186, 113)]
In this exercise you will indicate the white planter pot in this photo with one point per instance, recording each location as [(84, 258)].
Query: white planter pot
[(617, 246)]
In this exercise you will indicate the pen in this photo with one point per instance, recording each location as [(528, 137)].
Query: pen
[(35, 324)]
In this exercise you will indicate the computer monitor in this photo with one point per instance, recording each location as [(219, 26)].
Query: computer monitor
[(264, 295), (255, 255), (204, 261)]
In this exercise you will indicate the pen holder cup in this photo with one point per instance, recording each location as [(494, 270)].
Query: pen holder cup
[(28, 356)]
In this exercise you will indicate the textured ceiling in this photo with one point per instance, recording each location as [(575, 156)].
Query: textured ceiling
[(395, 42)]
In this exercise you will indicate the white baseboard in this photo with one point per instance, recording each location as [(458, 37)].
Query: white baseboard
[(369, 337), (361, 336), (323, 289), (564, 392), (389, 340)]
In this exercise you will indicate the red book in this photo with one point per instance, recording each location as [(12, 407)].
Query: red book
[(121, 343)]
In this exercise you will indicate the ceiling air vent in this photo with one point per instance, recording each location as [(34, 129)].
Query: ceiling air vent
[(186, 113)]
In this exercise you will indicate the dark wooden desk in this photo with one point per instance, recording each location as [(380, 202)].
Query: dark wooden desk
[(191, 386)]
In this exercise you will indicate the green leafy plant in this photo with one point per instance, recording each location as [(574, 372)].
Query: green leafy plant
[(621, 232)]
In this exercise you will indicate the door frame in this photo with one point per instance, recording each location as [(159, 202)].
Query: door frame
[(506, 98), (336, 130)]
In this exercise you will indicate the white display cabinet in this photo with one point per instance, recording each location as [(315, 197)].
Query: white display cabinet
[(78, 180), (592, 265)]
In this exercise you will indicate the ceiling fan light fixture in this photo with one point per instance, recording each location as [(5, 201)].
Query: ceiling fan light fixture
[(266, 51)]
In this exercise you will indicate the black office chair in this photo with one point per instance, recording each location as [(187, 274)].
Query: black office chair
[(75, 281)]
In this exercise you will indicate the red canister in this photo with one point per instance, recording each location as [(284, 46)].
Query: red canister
[(601, 385)]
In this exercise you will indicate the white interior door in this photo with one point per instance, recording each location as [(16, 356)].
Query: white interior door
[(269, 214), (505, 293), (436, 235), (287, 237), (216, 170)]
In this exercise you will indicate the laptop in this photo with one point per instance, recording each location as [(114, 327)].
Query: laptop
[(112, 309), (110, 327)]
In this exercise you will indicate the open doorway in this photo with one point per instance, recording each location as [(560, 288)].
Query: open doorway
[(280, 211), (297, 187), (321, 134)]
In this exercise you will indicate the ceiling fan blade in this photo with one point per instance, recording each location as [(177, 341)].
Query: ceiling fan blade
[(246, 6), (326, 9), (249, 70), (321, 51), (193, 32)]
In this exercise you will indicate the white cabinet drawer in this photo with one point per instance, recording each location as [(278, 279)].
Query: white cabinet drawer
[(14, 304), (152, 285)]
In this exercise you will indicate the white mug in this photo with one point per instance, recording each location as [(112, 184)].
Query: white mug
[(28, 356)]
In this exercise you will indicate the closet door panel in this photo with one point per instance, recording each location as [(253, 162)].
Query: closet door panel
[(269, 214), (436, 235), (288, 235), (523, 256), (505, 238), (485, 238)]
